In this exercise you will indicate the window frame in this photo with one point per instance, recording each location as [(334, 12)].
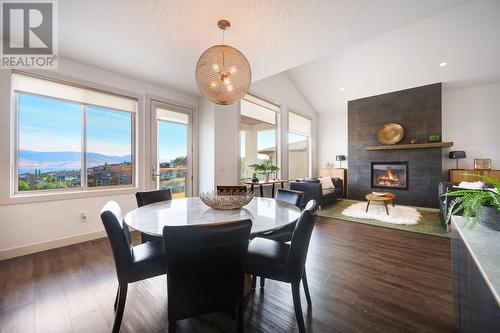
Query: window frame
[(266, 103), (154, 139), (310, 159), (84, 188)]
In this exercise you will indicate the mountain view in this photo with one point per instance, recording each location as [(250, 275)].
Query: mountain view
[(63, 160)]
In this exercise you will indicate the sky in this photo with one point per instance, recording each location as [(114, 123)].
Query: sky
[(172, 140), (51, 125)]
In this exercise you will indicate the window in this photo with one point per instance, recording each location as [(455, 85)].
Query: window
[(70, 137), (258, 135), (172, 151), (299, 146)]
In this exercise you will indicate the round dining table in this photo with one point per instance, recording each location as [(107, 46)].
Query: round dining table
[(266, 214)]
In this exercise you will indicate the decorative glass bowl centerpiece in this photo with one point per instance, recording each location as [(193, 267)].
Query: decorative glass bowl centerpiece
[(227, 200)]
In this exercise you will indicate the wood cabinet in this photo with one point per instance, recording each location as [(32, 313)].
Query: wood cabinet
[(457, 175), (336, 173)]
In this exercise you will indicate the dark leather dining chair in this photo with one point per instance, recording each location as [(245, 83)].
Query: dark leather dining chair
[(133, 263), (148, 198), (205, 269), (290, 196), (228, 190), (285, 262), (284, 233)]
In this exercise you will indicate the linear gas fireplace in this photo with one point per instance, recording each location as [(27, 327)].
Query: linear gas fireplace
[(390, 175)]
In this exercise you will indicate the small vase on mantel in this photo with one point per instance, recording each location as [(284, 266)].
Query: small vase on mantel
[(489, 217)]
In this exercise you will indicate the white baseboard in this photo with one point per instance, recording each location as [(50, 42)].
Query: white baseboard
[(38, 247)]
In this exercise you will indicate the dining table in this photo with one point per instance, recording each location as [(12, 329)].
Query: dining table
[(266, 214)]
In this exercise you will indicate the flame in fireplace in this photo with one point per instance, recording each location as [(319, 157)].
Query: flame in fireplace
[(388, 174), (388, 179)]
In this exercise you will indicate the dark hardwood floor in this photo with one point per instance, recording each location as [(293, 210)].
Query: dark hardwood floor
[(362, 279)]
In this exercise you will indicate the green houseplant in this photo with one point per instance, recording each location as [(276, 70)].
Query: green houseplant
[(265, 168), (482, 205)]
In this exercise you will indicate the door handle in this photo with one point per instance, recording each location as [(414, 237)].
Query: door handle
[(154, 175)]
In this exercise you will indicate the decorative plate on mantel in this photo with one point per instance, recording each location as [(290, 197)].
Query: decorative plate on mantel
[(390, 134)]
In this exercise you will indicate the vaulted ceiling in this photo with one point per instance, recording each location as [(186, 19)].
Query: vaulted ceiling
[(159, 41), (466, 38)]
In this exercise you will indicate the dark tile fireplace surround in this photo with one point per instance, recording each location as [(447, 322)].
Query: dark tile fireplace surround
[(413, 174)]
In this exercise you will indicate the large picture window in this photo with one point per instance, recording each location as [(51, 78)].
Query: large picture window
[(258, 139), (71, 144), (299, 146)]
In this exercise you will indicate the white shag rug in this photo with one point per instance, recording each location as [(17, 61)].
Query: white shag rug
[(397, 215)]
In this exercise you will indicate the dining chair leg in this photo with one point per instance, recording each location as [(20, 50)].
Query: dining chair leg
[(121, 307), (306, 288), (116, 297), (172, 326), (298, 307), (239, 320), (254, 281), (262, 282)]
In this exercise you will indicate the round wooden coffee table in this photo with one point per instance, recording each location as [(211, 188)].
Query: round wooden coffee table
[(387, 198)]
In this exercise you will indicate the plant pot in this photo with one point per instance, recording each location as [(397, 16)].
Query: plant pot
[(267, 179), (489, 217)]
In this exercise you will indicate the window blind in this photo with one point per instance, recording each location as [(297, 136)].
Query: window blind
[(172, 116), (55, 89), (256, 111)]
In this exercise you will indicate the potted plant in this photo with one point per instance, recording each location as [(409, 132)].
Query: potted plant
[(265, 168), (483, 205)]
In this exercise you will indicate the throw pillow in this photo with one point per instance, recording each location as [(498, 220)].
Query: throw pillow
[(471, 185), (326, 183)]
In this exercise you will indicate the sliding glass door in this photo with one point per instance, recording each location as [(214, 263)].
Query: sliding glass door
[(172, 149)]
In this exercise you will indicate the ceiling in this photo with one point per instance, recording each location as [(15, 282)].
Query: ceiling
[(466, 37), (159, 41)]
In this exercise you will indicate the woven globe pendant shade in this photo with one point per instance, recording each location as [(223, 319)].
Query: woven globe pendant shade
[(223, 74)]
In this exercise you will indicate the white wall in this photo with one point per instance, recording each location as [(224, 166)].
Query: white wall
[(36, 226), (206, 138), (471, 119), (280, 89), (227, 139), (332, 134)]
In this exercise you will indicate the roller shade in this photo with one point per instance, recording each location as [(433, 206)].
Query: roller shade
[(299, 125), (50, 88), (258, 112), (261, 102), (172, 116)]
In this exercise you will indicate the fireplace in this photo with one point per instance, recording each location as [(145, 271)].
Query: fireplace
[(390, 175)]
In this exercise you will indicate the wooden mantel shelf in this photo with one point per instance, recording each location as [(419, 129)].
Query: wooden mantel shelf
[(412, 146)]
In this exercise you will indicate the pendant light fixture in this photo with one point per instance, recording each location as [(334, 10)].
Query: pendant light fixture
[(223, 73)]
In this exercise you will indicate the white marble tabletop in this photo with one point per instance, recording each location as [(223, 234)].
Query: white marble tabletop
[(266, 214)]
